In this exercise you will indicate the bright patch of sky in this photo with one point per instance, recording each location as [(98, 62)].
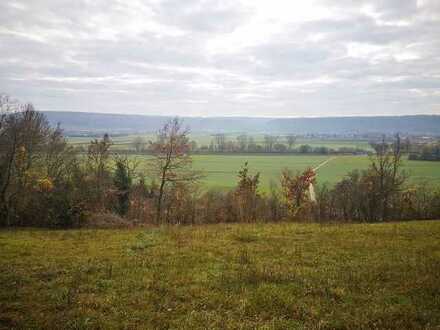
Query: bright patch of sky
[(223, 57)]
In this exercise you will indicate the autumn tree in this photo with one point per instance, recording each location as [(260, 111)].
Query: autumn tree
[(36, 167), (296, 189), (63, 200), (59, 157), (23, 136), (172, 163), (351, 197), (98, 166), (246, 194)]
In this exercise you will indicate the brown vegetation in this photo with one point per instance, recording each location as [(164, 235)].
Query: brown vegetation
[(44, 183)]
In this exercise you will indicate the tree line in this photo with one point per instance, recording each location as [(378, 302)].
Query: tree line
[(244, 143), (45, 182), (429, 151)]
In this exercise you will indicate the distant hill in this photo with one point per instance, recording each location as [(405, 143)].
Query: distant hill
[(417, 125), (89, 123)]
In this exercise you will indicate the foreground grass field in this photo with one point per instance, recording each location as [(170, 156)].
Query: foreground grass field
[(265, 276)]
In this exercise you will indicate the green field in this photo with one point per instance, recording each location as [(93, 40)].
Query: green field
[(221, 170), (125, 142), (262, 276), (418, 171)]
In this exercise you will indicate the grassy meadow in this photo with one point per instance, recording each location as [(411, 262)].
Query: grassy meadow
[(261, 276), (221, 170)]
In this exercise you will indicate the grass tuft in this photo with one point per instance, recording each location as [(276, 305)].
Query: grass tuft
[(265, 276)]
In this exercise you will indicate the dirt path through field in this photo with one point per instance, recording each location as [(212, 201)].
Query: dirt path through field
[(311, 187), (323, 163)]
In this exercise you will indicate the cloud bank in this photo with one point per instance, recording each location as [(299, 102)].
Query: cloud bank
[(223, 57)]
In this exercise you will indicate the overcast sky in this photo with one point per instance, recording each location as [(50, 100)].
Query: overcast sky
[(223, 58)]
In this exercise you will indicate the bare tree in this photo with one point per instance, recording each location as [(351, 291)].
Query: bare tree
[(242, 141), (139, 143), (59, 156), (270, 141), (9, 148), (172, 163), (385, 173), (252, 145), (219, 142), (291, 140)]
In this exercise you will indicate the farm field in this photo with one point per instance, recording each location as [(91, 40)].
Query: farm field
[(271, 276), (418, 171), (125, 142), (221, 170)]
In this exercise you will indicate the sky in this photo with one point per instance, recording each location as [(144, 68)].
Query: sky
[(266, 58)]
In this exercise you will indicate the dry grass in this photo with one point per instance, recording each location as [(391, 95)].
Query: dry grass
[(265, 276)]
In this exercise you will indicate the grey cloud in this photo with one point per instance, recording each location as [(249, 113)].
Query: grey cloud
[(212, 16), (155, 57)]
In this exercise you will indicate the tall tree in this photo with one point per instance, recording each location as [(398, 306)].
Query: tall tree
[(242, 141), (172, 163), (219, 142), (246, 194), (385, 174), (270, 141), (291, 140), (98, 164), (139, 143), (296, 189), (23, 136), (123, 182), (60, 157), (36, 167)]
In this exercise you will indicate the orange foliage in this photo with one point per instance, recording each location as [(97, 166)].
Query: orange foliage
[(45, 185), (295, 188)]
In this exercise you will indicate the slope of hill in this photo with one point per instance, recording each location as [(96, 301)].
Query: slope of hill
[(266, 276), (77, 122), (418, 124)]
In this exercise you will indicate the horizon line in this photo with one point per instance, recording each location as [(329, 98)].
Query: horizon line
[(243, 116)]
